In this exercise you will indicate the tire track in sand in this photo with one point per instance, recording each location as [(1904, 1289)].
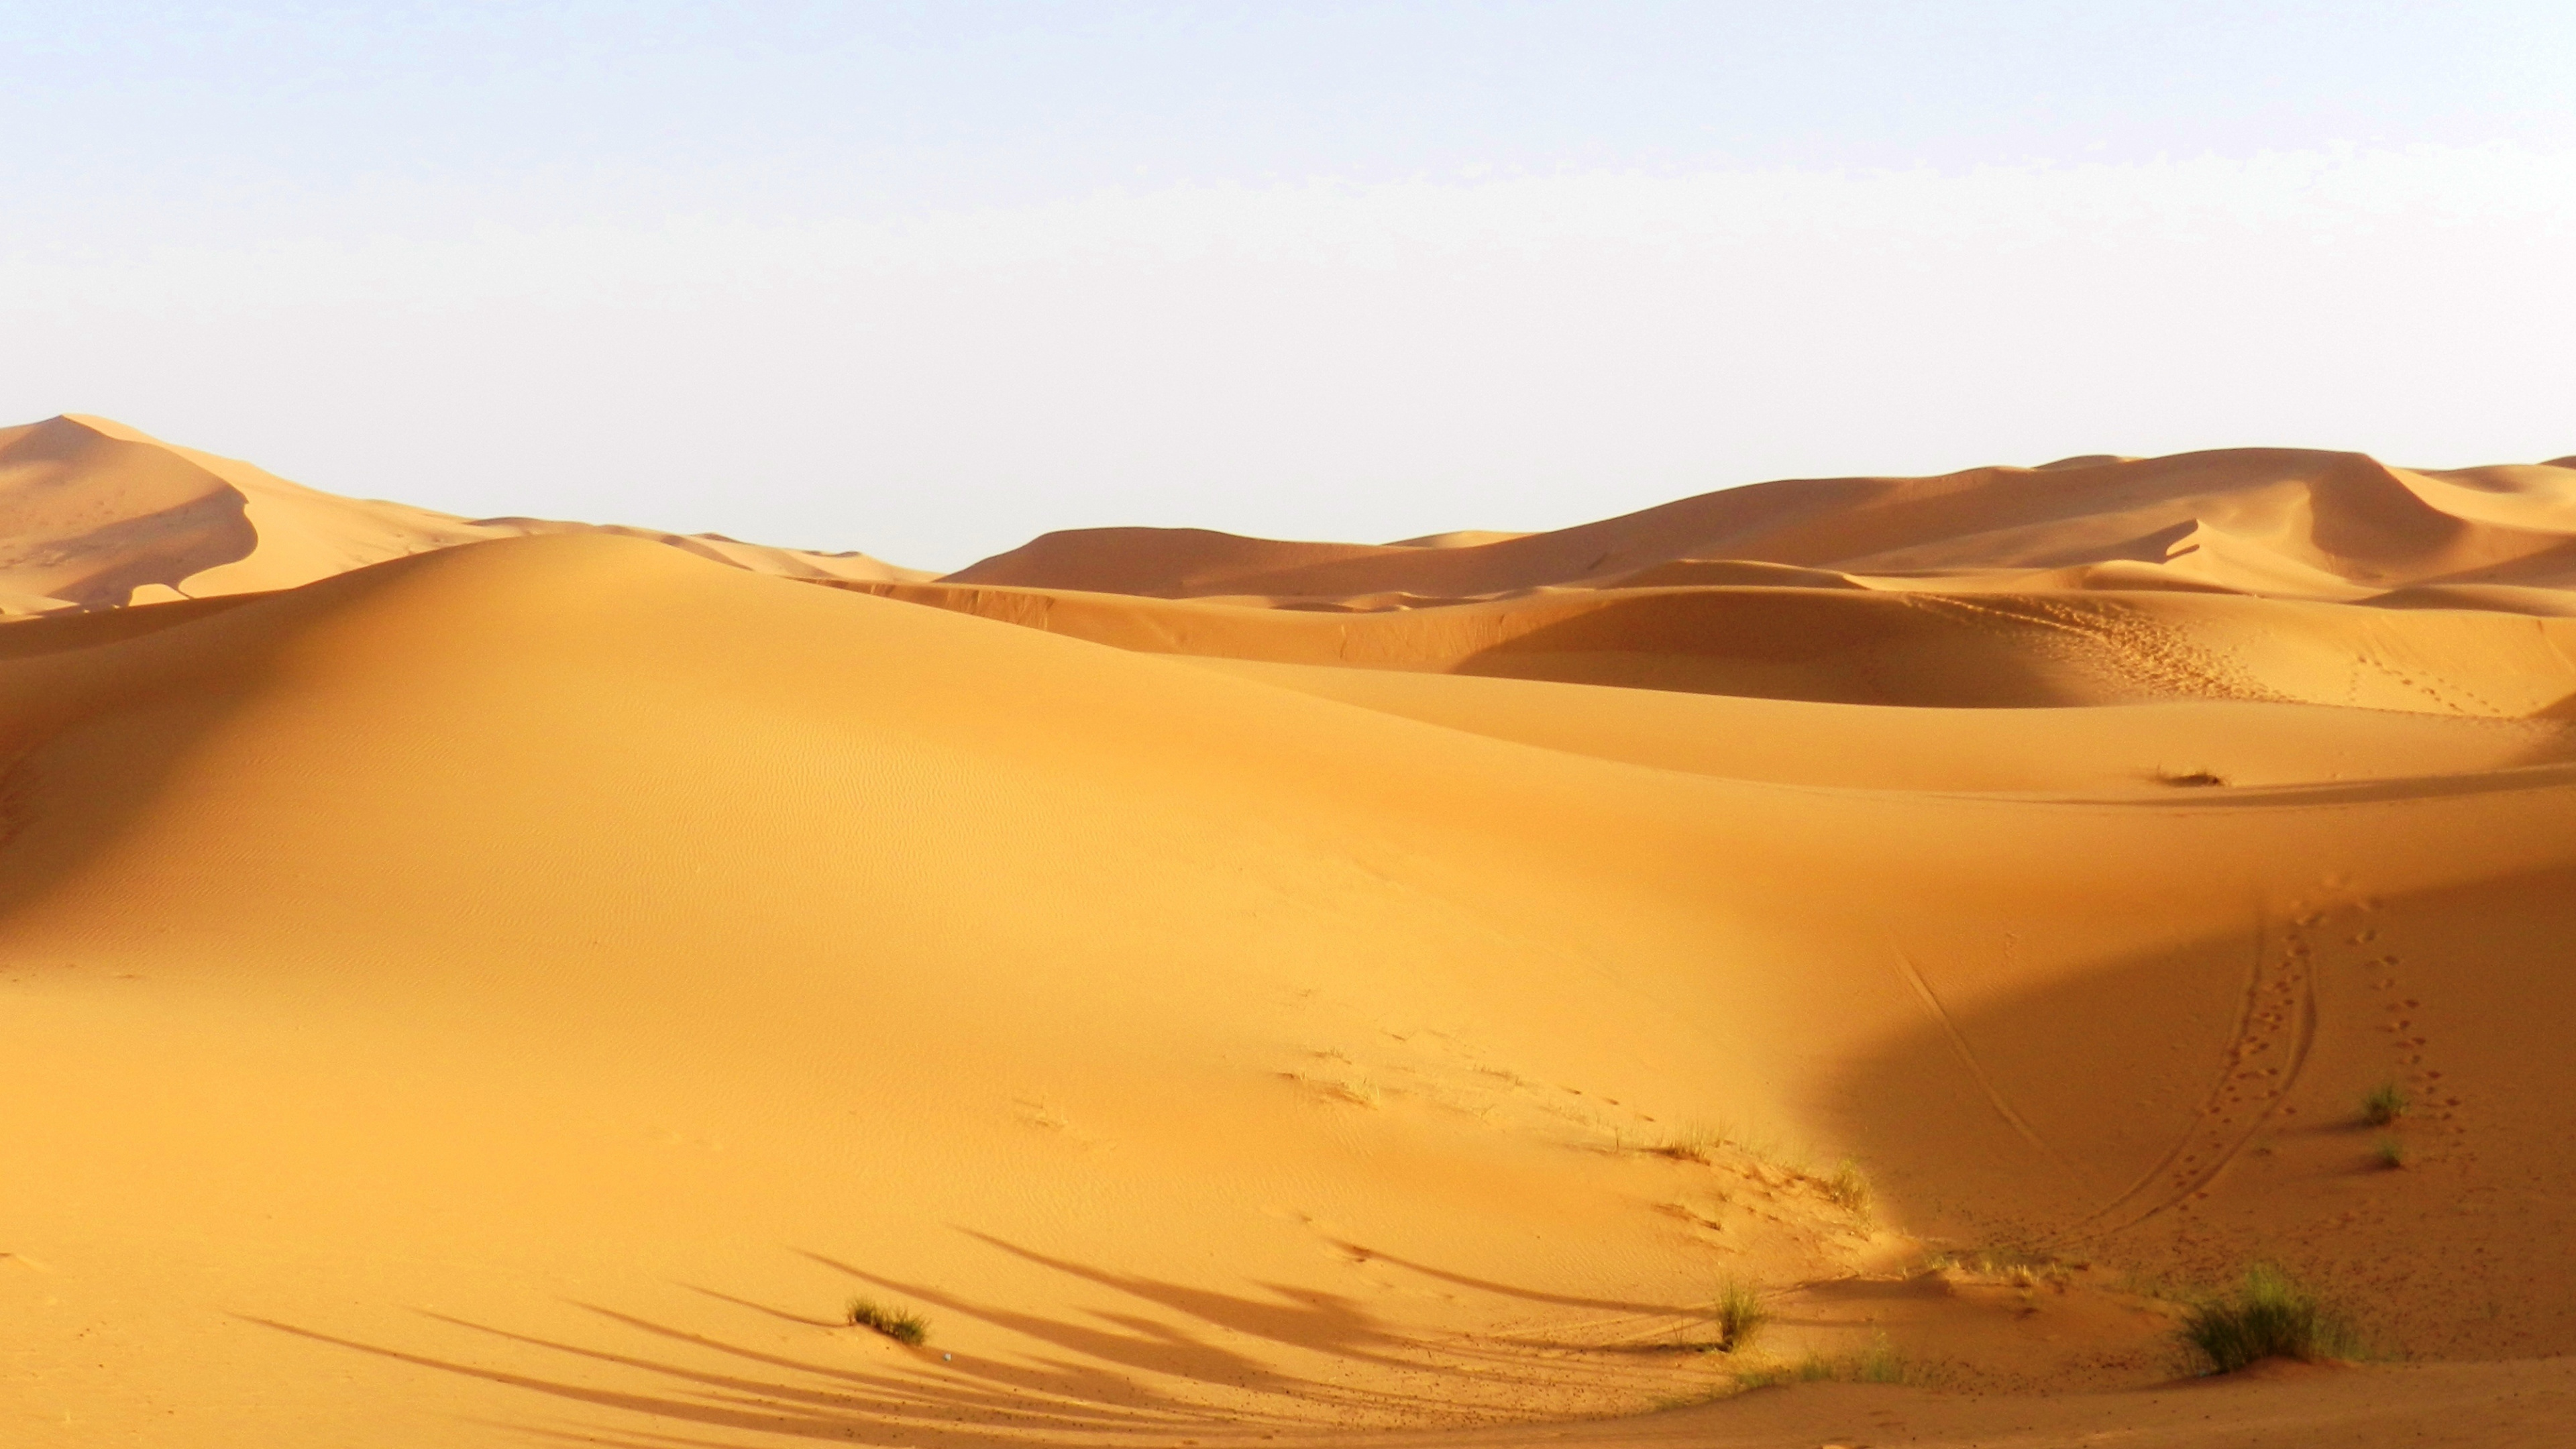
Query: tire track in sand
[(2276, 1025), (1967, 1054)]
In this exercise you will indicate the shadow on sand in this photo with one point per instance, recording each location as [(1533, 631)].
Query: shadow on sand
[(1158, 1371)]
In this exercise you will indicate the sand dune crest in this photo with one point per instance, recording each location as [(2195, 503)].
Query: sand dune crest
[(95, 514)]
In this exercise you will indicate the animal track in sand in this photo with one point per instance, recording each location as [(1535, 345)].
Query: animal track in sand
[(2258, 1069), (2410, 1053)]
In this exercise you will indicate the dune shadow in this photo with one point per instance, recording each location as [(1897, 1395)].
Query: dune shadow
[(99, 710), (2116, 1100), (2055, 1114), (1827, 646), (1507, 1290), (1184, 1359)]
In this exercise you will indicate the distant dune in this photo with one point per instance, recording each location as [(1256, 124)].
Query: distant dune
[(499, 981), (94, 514), (2268, 522), (2091, 581)]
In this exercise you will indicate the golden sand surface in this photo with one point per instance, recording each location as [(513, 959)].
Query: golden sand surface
[(502, 982)]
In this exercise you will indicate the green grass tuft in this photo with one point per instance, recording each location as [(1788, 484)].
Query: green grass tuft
[(901, 1325), (2386, 1103), (2391, 1152), (1739, 1315), (2268, 1316)]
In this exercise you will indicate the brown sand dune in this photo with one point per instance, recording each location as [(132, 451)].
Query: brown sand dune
[(1871, 647), (1170, 562), (518, 991), (94, 514), (86, 518), (2137, 749), (2271, 521)]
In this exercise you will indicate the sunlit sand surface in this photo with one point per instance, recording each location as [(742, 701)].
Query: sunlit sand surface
[(497, 981)]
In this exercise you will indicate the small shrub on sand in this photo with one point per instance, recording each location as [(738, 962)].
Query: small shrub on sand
[(1738, 1314), (1848, 1188), (2268, 1316), (2390, 1152), (901, 1325), (2386, 1103)]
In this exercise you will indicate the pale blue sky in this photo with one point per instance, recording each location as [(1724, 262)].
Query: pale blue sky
[(924, 279), (908, 104)]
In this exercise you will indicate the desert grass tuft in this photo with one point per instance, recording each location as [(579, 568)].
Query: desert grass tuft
[(901, 1325), (1847, 1187), (2270, 1315), (2018, 1267), (1705, 1141), (2390, 1152), (1739, 1315), (1691, 1144), (2385, 1104), (1879, 1363), (1814, 1368)]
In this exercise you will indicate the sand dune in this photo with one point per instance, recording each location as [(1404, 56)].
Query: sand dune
[(94, 514), (521, 987), (1869, 647), (2270, 522)]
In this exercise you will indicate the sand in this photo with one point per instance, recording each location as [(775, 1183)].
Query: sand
[(497, 982), (94, 514)]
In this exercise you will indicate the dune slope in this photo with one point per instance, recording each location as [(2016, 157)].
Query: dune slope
[(2247, 575), (1850, 647), (2272, 521), (85, 519), (95, 514)]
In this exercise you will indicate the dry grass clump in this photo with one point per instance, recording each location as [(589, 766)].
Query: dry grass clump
[(1879, 1363), (2386, 1103), (1846, 1187), (1691, 1144), (1739, 1314), (2013, 1266), (2270, 1315), (2390, 1151), (900, 1324), (1706, 1142)]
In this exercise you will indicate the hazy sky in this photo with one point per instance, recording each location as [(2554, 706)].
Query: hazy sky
[(926, 279)]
